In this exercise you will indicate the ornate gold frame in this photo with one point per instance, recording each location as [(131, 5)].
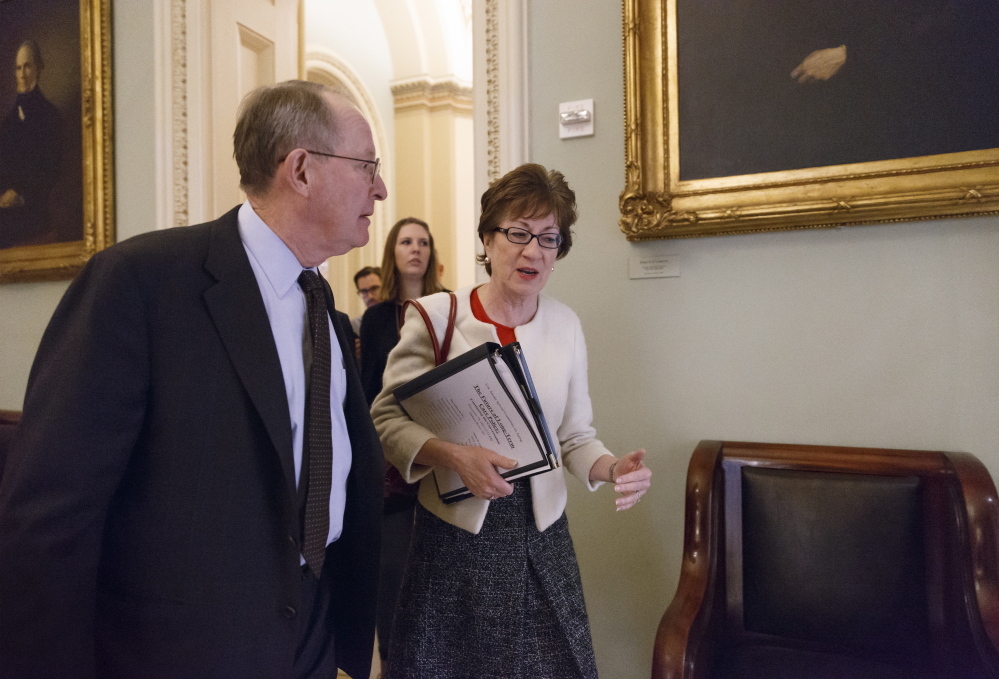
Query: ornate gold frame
[(63, 260), (655, 204)]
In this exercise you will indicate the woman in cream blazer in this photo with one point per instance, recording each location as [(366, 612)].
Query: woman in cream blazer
[(492, 587)]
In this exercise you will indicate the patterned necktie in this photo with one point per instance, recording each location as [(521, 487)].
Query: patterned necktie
[(318, 440)]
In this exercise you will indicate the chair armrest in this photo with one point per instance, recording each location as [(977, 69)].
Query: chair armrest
[(982, 514), (681, 634)]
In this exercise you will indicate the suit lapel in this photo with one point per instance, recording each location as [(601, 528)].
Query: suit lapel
[(237, 309)]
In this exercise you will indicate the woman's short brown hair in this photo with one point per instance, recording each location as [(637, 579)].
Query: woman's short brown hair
[(390, 274), (532, 192)]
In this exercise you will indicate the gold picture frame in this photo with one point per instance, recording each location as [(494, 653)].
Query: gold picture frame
[(62, 259), (657, 203)]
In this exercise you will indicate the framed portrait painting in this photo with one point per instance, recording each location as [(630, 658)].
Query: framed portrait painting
[(759, 115), (56, 160)]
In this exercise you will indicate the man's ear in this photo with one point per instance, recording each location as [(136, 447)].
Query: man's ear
[(295, 171)]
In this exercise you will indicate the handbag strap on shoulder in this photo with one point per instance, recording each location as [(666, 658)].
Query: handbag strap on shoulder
[(441, 349)]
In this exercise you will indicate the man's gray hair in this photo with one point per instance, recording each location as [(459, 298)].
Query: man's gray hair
[(276, 119)]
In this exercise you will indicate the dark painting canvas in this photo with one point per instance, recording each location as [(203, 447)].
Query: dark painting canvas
[(771, 85), (41, 175)]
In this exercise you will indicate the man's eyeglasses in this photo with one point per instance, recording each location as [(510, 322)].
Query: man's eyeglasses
[(523, 237), (375, 164), (368, 292)]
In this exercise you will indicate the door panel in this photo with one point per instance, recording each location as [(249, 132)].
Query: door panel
[(253, 43)]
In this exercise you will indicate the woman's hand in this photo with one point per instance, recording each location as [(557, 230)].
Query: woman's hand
[(476, 466), (477, 469), (632, 479), (629, 475)]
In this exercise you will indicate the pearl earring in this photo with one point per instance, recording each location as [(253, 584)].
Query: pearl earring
[(553, 268), (487, 259)]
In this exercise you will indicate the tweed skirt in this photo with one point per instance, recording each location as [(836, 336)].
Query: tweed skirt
[(507, 602)]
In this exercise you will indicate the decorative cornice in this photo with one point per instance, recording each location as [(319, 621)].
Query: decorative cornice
[(425, 92), (492, 91)]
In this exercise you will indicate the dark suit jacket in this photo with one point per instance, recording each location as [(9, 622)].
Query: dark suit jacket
[(148, 511)]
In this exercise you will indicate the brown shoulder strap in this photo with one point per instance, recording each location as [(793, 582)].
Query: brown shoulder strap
[(430, 327), (440, 351)]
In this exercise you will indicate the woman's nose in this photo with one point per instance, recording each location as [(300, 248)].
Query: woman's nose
[(533, 248)]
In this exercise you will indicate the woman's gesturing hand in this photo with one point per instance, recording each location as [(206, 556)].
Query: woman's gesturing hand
[(632, 479)]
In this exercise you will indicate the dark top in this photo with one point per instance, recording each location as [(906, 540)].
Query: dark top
[(379, 335), (348, 333)]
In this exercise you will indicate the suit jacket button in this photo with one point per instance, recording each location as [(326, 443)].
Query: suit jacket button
[(289, 612)]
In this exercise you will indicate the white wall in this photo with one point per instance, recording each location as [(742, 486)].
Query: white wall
[(880, 335)]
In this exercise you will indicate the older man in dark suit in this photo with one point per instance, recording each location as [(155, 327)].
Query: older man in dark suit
[(195, 487)]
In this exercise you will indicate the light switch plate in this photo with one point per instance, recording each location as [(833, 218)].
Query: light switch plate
[(583, 129)]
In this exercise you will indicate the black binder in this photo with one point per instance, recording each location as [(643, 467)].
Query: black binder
[(484, 397)]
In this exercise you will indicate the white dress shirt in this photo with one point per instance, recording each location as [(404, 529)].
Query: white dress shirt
[(277, 270)]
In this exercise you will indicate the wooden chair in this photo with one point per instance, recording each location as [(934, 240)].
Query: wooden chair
[(8, 421), (816, 561)]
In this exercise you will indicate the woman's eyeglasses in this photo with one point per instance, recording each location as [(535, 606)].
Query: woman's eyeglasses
[(550, 241)]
